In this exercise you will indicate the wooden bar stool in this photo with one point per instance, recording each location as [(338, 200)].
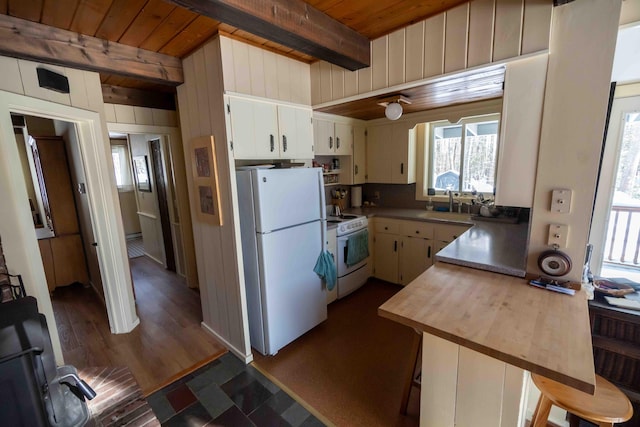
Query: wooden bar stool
[(608, 406)]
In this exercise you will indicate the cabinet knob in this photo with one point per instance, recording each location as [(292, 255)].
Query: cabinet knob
[(94, 244), (386, 228), (417, 232)]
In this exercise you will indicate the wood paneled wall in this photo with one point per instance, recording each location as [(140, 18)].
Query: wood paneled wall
[(218, 251), (470, 35), (116, 113), (253, 71)]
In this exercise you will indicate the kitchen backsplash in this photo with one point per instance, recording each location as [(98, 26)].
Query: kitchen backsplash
[(400, 196)]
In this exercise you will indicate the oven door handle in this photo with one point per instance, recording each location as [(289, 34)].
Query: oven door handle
[(346, 251)]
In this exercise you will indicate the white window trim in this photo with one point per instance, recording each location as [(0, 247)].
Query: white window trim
[(425, 136)]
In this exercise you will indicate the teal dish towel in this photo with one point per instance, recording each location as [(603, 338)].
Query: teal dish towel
[(326, 269), (357, 247)]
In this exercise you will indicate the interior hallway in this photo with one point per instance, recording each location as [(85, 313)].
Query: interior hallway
[(352, 367), (168, 343)]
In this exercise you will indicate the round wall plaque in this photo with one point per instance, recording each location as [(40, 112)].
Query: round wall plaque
[(554, 263)]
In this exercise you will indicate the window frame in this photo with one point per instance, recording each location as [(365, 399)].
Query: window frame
[(428, 157)]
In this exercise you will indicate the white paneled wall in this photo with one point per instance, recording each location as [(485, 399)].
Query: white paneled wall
[(250, 70), (218, 251), (117, 113), (472, 34)]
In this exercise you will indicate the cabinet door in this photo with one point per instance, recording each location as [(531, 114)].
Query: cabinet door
[(386, 257), (344, 139), (449, 232), (359, 155), (47, 263), (403, 155), (69, 262), (265, 123), (438, 245), (332, 244), (415, 258), (240, 112), (304, 134), (379, 150), (323, 137), (287, 132)]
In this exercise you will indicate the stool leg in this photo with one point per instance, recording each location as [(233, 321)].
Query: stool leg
[(542, 412), (606, 424)]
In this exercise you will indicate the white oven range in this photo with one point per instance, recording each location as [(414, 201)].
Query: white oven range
[(350, 277)]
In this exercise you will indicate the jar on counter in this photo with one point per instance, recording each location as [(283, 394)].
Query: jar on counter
[(335, 163)]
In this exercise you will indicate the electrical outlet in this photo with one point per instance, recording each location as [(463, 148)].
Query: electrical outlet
[(558, 234), (376, 195), (561, 201)]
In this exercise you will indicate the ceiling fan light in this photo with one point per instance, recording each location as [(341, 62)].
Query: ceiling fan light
[(393, 111)]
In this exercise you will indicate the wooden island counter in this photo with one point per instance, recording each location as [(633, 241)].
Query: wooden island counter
[(481, 331)]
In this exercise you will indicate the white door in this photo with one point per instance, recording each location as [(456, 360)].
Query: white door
[(265, 123), (286, 197), (415, 258), (304, 132), (242, 131), (386, 257), (294, 299), (379, 153)]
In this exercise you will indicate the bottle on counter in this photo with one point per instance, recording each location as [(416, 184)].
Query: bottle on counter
[(430, 204)]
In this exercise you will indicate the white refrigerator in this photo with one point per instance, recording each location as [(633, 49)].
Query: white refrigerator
[(283, 224)]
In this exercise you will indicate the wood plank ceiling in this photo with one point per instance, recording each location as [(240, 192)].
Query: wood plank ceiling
[(163, 27)]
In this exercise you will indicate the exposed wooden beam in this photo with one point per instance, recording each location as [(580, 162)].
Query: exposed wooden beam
[(138, 97), (292, 23), (30, 40)]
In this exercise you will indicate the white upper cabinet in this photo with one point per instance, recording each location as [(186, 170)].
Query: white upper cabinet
[(391, 154), (332, 138), (520, 131), (265, 130), (295, 132), (359, 154)]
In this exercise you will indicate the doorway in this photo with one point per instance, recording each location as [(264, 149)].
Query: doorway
[(616, 219)]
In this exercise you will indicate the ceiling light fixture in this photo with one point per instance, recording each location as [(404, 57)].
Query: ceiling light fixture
[(393, 106)]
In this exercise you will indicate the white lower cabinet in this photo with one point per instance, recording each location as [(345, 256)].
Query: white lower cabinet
[(331, 245), (445, 234), (403, 249)]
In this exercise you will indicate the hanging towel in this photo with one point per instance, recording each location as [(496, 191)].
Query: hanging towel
[(326, 269), (357, 247)]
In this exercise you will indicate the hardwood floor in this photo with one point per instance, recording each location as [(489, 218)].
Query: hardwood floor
[(168, 343), (351, 368)]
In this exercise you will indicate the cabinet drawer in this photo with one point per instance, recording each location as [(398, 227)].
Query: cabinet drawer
[(384, 225), (417, 229), (448, 233)]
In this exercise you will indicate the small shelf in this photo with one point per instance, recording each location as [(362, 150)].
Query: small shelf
[(331, 184), (332, 172)]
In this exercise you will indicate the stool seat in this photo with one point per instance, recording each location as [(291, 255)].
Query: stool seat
[(607, 406)]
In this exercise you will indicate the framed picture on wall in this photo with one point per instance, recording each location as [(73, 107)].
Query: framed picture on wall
[(205, 180), (141, 172)]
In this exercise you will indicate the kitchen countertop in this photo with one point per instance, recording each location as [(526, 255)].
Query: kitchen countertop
[(501, 316), (487, 245)]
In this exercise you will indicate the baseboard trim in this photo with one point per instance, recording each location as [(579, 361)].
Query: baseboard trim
[(246, 358)]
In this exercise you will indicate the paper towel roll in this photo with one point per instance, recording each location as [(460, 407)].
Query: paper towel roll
[(356, 197)]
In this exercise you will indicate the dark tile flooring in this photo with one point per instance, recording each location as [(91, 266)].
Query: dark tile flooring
[(226, 392)]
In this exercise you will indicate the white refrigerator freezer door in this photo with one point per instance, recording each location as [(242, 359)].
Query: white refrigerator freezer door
[(286, 197), (293, 296)]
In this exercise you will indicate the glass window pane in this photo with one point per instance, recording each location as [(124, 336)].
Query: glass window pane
[(447, 145), (481, 148)]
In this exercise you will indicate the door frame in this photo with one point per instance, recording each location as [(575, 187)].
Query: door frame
[(17, 231), (171, 141), (606, 180)]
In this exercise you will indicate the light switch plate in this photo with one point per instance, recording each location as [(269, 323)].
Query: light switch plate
[(558, 234), (561, 201)]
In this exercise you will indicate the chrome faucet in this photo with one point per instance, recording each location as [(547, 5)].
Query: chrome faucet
[(450, 201)]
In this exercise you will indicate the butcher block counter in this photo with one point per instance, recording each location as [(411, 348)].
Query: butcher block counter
[(507, 324)]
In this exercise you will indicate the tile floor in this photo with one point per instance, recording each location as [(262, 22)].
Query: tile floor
[(227, 392)]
